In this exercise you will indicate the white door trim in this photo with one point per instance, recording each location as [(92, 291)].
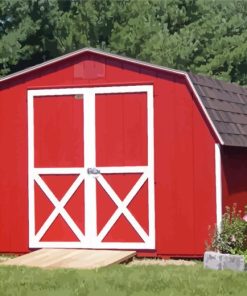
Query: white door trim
[(90, 239), (122, 208), (59, 207)]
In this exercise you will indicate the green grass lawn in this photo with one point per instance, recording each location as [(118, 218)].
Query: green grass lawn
[(122, 280)]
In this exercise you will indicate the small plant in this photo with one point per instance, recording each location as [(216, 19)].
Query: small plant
[(231, 238)]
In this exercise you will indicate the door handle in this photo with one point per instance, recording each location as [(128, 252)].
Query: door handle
[(93, 171)]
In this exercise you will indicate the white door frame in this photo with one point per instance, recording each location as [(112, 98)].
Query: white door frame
[(90, 239)]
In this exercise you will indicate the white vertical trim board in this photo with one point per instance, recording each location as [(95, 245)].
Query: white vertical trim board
[(90, 162), (151, 199), (31, 204), (90, 239), (218, 182)]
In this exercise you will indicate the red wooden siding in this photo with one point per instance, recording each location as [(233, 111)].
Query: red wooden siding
[(121, 124), (58, 130), (234, 177), (184, 150)]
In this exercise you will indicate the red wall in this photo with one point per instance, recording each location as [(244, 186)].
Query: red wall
[(184, 152), (234, 177)]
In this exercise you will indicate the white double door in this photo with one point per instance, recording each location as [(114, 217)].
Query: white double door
[(96, 172)]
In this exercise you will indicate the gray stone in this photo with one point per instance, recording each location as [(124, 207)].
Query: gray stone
[(212, 260), (218, 261), (233, 262)]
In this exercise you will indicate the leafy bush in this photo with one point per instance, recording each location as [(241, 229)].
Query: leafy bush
[(231, 238)]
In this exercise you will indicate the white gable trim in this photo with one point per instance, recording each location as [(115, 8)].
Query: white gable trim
[(120, 58)]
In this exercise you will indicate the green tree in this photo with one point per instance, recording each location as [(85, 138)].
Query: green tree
[(26, 32), (207, 37)]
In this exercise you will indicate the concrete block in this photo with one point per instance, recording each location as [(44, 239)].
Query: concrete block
[(212, 260), (233, 262), (218, 261)]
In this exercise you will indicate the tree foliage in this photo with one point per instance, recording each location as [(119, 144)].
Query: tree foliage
[(202, 36)]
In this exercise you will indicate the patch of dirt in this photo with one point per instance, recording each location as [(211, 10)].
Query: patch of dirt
[(2, 259), (161, 262), (5, 258)]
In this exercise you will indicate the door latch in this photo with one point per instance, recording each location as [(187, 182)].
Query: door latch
[(93, 171)]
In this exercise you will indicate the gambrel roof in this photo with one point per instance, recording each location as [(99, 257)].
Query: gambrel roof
[(224, 104)]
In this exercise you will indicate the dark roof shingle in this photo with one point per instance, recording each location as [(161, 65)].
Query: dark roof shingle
[(226, 104)]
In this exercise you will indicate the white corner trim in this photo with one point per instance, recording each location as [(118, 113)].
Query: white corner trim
[(218, 183)]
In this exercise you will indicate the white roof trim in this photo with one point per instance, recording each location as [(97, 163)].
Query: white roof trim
[(120, 58), (89, 50)]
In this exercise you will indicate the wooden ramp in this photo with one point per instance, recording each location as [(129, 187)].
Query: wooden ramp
[(70, 258)]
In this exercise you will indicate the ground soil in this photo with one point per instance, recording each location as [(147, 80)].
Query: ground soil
[(161, 262)]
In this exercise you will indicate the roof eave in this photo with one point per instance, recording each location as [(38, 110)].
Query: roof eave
[(89, 50)]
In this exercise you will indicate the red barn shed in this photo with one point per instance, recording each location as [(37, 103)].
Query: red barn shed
[(102, 151)]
